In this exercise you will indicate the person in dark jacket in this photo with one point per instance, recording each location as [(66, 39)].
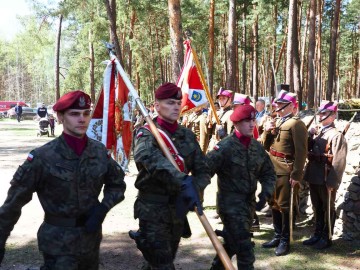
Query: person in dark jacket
[(68, 174), (327, 161), (18, 111), (42, 111)]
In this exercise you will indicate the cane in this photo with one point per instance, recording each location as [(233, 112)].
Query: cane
[(328, 213), (291, 217)]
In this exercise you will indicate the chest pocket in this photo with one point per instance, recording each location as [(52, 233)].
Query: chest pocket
[(63, 172)]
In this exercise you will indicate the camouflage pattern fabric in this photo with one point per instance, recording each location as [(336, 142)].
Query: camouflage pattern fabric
[(160, 228), (238, 170), (68, 186)]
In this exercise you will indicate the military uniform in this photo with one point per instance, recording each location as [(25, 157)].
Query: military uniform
[(197, 123), (159, 184), (288, 150), (68, 187), (226, 123), (239, 167), (325, 169)]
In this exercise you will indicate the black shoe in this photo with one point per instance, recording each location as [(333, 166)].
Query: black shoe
[(255, 225), (272, 243), (323, 243), (282, 249), (312, 240)]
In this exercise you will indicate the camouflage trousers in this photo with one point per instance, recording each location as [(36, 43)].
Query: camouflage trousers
[(89, 261)]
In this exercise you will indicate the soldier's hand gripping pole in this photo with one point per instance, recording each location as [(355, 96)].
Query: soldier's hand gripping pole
[(291, 214), (210, 232)]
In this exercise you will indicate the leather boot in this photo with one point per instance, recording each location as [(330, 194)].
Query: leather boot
[(325, 241), (277, 227), (284, 246), (319, 227)]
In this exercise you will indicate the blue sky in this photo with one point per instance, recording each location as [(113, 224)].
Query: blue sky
[(9, 9)]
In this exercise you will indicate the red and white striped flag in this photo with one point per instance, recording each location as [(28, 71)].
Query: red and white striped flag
[(192, 89), (111, 121)]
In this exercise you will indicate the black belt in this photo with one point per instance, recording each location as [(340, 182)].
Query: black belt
[(151, 197), (65, 222)]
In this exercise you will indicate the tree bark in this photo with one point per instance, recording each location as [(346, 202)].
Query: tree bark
[(290, 39), (255, 64), (231, 42), (311, 55), (131, 36), (57, 59), (92, 61), (111, 12), (244, 75), (332, 51), (211, 46), (177, 51)]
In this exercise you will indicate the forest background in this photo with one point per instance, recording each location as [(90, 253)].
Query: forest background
[(313, 45)]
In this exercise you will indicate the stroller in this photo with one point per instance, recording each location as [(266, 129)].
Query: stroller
[(43, 127)]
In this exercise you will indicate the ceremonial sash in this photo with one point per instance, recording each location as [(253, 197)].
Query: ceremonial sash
[(169, 144)]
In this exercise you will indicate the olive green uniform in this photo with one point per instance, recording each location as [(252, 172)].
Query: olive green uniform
[(159, 183), (288, 151), (226, 123), (239, 169), (197, 124), (68, 187)]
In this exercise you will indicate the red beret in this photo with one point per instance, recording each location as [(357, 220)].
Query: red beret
[(242, 112), (73, 100), (168, 90)]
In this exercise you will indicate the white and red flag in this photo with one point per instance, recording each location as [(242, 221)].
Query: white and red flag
[(192, 89), (111, 121)]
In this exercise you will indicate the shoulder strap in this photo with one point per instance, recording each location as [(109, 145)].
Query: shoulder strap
[(169, 144)]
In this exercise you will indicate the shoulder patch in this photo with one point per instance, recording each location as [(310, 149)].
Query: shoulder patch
[(30, 157), (139, 134), (216, 147)]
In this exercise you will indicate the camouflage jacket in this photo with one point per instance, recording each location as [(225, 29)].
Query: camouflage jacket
[(238, 169), (315, 169), (157, 175), (67, 186), (290, 139)]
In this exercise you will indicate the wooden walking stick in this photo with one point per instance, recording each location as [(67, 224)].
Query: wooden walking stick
[(210, 232), (291, 215)]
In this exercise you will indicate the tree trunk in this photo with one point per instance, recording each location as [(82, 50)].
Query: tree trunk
[(244, 76), (290, 47), (231, 63), (332, 51), (92, 61), (57, 59), (211, 46), (272, 84), (311, 55), (177, 49), (131, 36), (159, 55), (303, 46), (255, 63), (111, 12), (319, 76)]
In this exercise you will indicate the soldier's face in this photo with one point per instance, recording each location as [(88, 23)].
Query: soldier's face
[(168, 109), (224, 101), (75, 122), (326, 119), (246, 127)]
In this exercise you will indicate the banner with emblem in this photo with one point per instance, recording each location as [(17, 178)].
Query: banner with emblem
[(111, 120), (189, 81)]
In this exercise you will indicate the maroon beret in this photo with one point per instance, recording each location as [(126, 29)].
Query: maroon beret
[(245, 111), (168, 90), (73, 100)]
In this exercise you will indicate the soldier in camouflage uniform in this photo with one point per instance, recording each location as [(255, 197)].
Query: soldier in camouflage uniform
[(240, 161), (166, 194), (67, 174), (327, 161), (287, 143)]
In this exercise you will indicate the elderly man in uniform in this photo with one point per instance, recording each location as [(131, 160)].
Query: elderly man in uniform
[(327, 161), (240, 162), (67, 174), (166, 194), (286, 140)]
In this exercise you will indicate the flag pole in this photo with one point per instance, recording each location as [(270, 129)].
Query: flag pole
[(204, 221), (202, 79)]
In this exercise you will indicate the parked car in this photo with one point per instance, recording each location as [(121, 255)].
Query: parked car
[(27, 113)]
